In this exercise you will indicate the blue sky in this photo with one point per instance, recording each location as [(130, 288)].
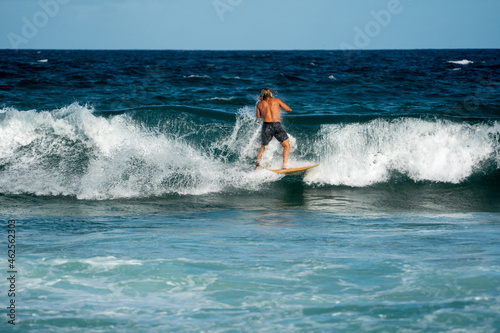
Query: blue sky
[(249, 24)]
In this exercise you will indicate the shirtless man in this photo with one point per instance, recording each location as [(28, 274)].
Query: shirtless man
[(269, 109)]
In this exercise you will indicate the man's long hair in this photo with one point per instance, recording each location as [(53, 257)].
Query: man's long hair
[(265, 93)]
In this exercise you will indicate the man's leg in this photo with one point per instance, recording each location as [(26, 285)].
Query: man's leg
[(286, 153), (259, 156)]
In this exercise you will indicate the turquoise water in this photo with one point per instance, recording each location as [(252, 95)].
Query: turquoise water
[(287, 269), (130, 177)]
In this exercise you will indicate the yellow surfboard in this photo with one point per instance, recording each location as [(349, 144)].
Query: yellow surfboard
[(293, 170)]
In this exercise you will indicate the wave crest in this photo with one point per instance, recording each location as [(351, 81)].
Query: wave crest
[(73, 152), (423, 150)]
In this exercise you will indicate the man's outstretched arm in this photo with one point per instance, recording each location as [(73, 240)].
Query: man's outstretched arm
[(284, 106)]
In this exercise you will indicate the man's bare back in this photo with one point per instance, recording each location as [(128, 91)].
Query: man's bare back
[(269, 109)]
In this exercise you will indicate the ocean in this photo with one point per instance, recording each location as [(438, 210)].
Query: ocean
[(129, 200)]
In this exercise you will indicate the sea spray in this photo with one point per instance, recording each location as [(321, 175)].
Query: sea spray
[(362, 154), (244, 141), (74, 152)]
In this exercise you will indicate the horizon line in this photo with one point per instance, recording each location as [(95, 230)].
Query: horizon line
[(245, 50)]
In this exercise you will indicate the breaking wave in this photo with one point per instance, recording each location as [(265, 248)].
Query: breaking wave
[(74, 151)]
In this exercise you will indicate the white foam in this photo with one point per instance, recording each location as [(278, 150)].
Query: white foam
[(222, 98), (461, 62), (195, 76), (439, 151), (73, 152), (107, 263)]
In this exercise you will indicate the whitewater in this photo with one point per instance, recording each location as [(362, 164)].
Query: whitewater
[(75, 152)]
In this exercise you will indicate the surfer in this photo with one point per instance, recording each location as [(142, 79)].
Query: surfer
[(269, 109)]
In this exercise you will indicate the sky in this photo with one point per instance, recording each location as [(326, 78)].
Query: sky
[(249, 24)]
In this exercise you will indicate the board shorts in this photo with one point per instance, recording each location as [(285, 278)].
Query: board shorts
[(270, 130)]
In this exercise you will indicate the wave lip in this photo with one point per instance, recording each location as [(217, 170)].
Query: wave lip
[(438, 151)]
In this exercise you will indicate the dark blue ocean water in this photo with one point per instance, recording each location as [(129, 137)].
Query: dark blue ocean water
[(129, 175)]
